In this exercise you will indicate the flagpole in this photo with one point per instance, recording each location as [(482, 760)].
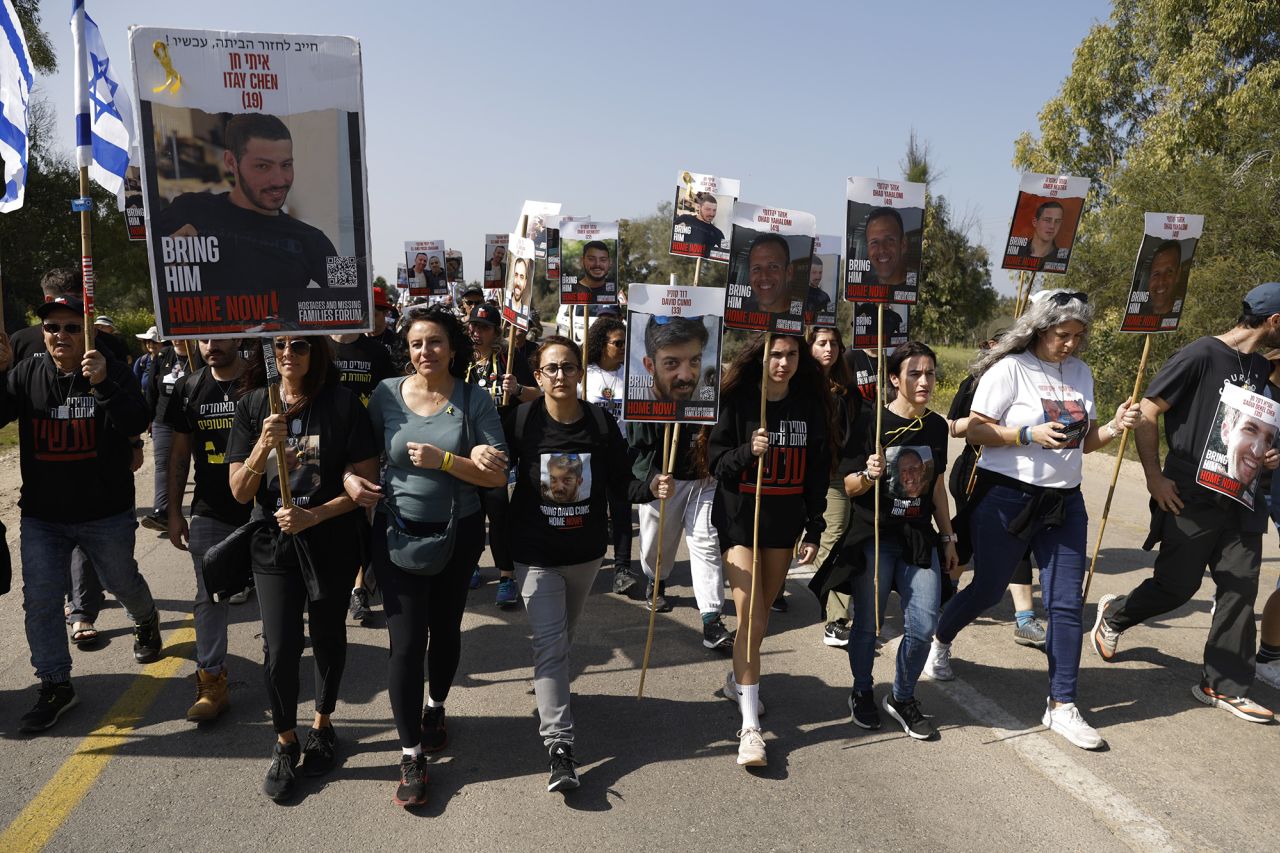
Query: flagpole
[(86, 257)]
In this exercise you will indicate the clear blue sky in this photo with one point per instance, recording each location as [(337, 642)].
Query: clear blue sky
[(788, 97)]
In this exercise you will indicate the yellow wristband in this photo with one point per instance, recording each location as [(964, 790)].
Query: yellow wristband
[(254, 471), (447, 463)]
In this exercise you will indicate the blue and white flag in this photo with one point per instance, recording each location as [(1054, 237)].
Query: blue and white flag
[(15, 92), (104, 117)]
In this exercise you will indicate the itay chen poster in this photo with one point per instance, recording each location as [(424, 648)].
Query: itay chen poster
[(253, 177)]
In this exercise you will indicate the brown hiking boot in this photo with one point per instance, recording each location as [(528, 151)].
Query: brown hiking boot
[(211, 697)]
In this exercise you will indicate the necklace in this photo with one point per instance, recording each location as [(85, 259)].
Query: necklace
[(1244, 375), (1059, 391), (225, 389)]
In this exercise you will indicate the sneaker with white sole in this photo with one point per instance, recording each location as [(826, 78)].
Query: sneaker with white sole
[(751, 748), (862, 710), (730, 692), (938, 666), (836, 634), (910, 717), (1066, 721), (1242, 706), (1103, 637), (1269, 673), (1031, 634)]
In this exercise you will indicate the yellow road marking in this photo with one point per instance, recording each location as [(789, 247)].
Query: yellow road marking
[(33, 828)]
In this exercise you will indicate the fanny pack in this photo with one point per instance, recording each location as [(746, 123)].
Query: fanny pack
[(421, 547)]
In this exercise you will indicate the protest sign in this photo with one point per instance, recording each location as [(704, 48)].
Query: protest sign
[(495, 266), (135, 214), (770, 248), (533, 223), (588, 263), (1161, 272), (1243, 430), (425, 262), (248, 232), (519, 290), (908, 475), (702, 215), (453, 266), (884, 229), (824, 281), (553, 246), (673, 353), (897, 321), (1044, 223)]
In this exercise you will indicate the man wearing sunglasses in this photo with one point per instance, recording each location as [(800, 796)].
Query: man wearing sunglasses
[(76, 413)]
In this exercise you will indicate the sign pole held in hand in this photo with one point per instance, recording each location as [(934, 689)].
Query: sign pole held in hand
[(875, 522), (277, 406), (670, 440), (755, 526)]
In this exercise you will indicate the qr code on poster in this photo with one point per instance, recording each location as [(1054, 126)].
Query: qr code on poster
[(342, 271)]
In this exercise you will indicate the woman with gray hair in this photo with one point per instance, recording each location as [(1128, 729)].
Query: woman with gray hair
[(1033, 412)]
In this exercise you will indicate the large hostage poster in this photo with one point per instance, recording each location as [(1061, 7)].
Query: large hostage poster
[(518, 305), (253, 178), (702, 216), (820, 300), (770, 249), (884, 233), (1161, 273), (495, 266), (425, 260), (588, 257), (673, 353), (1243, 430), (1044, 223)]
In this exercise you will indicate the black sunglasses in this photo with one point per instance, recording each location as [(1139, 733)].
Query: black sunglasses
[(1062, 297), (69, 328), (297, 346)]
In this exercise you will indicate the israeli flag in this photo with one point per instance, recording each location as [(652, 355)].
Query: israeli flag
[(104, 116), (15, 91)]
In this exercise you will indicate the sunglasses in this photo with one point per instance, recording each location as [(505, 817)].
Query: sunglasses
[(297, 346), (568, 368), (1063, 297), (69, 328)]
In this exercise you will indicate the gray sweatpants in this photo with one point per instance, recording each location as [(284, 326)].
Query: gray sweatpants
[(555, 598), (210, 616)]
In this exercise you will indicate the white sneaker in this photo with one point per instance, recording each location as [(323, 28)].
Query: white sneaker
[(730, 692), (938, 666), (1269, 673), (1066, 721), (751, 748)]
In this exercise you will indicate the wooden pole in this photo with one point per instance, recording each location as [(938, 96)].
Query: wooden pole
[(276, 406), (670, 441), (1115, 472), (875, 517), (86, 259), (755, 526), (584, 349), (697, 271)]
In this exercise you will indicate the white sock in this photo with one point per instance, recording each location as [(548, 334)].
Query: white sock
[(431, 703), (938, 644), (412, 752), (749, 704)]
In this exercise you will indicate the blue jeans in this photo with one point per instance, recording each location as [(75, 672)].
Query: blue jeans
[(919, 590), (1060, 554), (46, 572)]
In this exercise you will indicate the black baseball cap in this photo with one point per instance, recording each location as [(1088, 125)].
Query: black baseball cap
[(71, 304), (1263, 300), (473, 290), (484, 313)]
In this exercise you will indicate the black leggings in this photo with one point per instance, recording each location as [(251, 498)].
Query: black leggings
[(281, 598), (424, 616), (496, 506)]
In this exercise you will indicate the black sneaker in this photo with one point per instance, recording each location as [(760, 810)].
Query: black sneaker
[(281, 778), (780, 604), (56, 698), (146, 640), (563, 776), (715, 635), (320, 751), (862, 704), (434, 735), (359, 605), (661, 605), (413, 781), (624, 581), (836, 634), (157, 521), (911, 719)]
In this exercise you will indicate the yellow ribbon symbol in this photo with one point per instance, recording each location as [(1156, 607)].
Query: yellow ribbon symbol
[(174, 81)]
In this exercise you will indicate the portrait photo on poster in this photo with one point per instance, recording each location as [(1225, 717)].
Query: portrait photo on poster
[(425, 260), (495, 266), (565, 488), (453, 271), (1243, 430), (1045, 218), (908, 475), (551, 266), (897, 322), (821, 299), (519, 291), (674, 340), (254, 184), (1162, 271), (884, 233), (770, 249), (588, 255), (701, 216)]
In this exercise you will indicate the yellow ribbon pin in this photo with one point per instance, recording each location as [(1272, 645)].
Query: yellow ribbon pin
[(174, 81)]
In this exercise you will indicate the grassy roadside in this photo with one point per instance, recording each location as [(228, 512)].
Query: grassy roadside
[(9, 436)]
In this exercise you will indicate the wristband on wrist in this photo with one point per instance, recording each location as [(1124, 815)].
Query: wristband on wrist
[(1024, 436), (447, 462), (254, 471)]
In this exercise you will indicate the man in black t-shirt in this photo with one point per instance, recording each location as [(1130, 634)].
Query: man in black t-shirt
[(200, 412), (362, 363), (1197, 527)]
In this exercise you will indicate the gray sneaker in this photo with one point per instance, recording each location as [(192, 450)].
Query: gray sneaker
[(938, 666), (1031, 634), (1103, 637)]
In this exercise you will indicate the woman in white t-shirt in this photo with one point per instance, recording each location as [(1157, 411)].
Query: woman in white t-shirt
[(1033, 413)]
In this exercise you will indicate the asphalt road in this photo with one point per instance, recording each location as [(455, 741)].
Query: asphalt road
[(124, 770)]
